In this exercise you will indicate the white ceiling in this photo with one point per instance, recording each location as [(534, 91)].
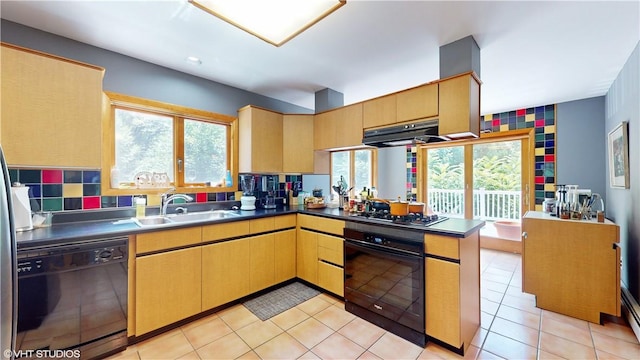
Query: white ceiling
[(532, 53)]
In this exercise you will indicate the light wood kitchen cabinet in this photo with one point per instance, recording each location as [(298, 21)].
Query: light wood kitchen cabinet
[(417, 103), (379, 111), (331, 263), (167, 287), (307, 255), (225, 272), (53, 102), (297, 144), (338, 128), (285, 255), (260, 138), (162, 240), (320, 249), (452, 288), (459, 106), (571, 266), (262, 258)]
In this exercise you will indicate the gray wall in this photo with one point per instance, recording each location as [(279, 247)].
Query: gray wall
[(581, 145), (623, 205), (134, 77)]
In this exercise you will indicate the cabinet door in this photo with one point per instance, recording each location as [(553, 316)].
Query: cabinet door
[(168, 288), (349, 126), (379, 112), (262, 262), (260, 138), (285, 255), (53, 103), (331, 249), (324, 131), (331, 278), (442, 301), (297, 144), (307, 255), (418, 103), (459, 111), (225, 272)]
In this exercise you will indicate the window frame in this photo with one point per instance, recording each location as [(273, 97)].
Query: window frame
[(352, 165), (111, 101)]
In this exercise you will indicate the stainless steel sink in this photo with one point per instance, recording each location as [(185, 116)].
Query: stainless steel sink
[(152, 221), (202, 216), (182, 218)]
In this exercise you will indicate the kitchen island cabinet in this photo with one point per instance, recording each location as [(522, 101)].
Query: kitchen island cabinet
[(571, 266), (51, 108), (452, 289)]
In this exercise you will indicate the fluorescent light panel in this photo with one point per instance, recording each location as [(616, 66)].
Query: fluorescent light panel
[(275, 21)]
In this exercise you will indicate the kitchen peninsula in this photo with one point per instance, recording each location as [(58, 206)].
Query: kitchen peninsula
[(258, 250)]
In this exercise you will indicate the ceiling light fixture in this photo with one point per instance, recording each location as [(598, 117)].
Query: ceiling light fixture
[(194, 60), (275, 21)]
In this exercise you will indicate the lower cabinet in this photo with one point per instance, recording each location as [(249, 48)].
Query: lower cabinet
[(307, 256), (225, 272), (320, 260), (452, 289), (262, 262), (167, 288), (442, 288), (285, 255)]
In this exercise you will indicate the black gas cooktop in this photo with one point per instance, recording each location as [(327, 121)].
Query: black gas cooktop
[(420, 220)]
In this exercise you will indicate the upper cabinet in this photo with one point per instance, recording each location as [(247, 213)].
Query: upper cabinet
[(271, 142), (418, 103), (459, 113), (51, 110), (297, 144), (260, 137), (338, 128), (380, 111)]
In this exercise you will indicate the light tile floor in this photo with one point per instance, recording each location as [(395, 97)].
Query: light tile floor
[(511, 328)]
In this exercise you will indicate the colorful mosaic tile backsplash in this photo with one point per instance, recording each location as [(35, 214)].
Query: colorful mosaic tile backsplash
[(63, 190), (542, 119)]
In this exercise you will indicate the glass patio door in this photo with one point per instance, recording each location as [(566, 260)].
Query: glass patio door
[(446, 180)]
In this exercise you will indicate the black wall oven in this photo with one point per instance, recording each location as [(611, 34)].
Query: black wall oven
[(384, 278)]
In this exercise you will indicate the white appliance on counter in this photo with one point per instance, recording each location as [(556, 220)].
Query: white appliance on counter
[(21, 207)]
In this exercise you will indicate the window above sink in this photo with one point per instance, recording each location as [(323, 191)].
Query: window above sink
[(191, 149)]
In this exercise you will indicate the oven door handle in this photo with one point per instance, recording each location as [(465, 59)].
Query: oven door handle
[(382, 250)]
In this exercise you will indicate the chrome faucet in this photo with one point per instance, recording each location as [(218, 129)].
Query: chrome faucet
[(165, 200)]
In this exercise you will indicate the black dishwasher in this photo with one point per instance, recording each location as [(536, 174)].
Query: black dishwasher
[(73, 297)]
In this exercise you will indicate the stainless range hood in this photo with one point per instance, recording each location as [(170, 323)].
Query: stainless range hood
[(409, 134)]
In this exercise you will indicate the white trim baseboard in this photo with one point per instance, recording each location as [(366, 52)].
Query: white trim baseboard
[(630, 310)]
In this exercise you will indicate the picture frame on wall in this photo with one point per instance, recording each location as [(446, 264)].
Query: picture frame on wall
[(618, 144)]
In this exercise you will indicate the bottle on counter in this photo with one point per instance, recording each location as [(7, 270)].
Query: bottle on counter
[(141, 204)]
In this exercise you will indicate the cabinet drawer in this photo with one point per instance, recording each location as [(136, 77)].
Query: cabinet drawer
[(261, 225), (225, 231), (168, 239), (285, 221), (330, 248), (331, 278), (444, 246), (322, 224)]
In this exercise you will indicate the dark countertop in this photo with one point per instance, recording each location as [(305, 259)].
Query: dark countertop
[(81, 231)]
